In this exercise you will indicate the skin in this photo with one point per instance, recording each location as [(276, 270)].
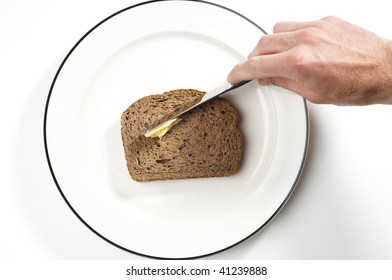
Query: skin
[(329, 61)]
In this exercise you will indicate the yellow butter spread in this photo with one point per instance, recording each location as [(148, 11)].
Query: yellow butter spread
[(162, 129)]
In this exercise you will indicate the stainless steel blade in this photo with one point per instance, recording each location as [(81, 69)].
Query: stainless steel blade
[(208, 96)]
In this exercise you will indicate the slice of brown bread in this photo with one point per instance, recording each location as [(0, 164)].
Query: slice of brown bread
[(206, 143)]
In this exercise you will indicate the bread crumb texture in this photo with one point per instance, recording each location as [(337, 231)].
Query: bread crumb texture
[(206, 143)]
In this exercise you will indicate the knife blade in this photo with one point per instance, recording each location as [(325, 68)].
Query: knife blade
[(208, 96)]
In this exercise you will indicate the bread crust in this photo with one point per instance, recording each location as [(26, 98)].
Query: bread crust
[(206, 143)]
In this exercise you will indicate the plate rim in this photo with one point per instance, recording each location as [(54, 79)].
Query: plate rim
[(294, 184)]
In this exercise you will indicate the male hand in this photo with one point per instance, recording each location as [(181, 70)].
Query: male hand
[(325, 61)]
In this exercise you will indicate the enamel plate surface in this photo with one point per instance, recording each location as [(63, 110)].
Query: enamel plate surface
[(149, 49)]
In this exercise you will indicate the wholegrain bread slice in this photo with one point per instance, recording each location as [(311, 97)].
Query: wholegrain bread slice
[(206, 143)]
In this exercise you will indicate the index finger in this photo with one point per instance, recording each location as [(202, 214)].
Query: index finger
[(260, 67)]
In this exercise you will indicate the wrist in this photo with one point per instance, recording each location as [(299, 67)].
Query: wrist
[(386, 91)]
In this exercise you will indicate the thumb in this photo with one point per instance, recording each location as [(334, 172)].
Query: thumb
[(294, 86)]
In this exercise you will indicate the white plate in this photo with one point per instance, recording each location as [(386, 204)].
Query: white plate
[(148, 49)]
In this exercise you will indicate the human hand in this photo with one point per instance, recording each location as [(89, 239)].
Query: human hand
[(325, 61)]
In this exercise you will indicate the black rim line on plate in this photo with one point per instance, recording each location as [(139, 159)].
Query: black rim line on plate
[(69, 204)]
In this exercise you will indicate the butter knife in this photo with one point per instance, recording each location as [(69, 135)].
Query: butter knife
[(208, 96)]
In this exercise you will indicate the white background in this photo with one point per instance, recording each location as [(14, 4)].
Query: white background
[(341, 209)]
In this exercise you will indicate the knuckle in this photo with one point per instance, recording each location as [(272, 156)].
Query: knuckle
[(253, 65), (300, 64), (297, 58), (310, 35), (330, 19), (278, 27)]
